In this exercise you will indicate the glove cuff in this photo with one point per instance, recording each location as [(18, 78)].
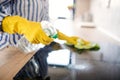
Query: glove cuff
[(49, 29)]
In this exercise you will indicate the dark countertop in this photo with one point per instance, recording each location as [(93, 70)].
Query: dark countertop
[(91, 65)]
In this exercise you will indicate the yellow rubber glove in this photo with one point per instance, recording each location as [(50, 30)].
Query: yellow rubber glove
[(71, 40), (31, 30), (36, 35), (14, 24)]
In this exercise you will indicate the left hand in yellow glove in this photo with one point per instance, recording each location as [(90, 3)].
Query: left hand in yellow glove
[(32, 31)]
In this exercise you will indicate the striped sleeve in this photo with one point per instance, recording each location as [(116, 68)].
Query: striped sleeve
[(4, 10), (1, 18), (13, 39), (4, 37), (4, 40)]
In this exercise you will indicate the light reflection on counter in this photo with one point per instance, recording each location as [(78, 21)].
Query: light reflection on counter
[(59, 57)]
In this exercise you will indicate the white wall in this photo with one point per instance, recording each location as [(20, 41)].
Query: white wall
[(107, 18), (82, 8)]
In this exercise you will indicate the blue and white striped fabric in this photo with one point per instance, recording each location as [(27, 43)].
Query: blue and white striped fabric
[(4, 40), (34, 10), (13, 39)]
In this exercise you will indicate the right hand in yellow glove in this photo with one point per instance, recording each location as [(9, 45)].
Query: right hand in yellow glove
[(70, 40), (32, 31), (77, 42)]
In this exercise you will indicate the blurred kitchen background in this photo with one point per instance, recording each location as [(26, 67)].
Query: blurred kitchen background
[(96, 21)]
